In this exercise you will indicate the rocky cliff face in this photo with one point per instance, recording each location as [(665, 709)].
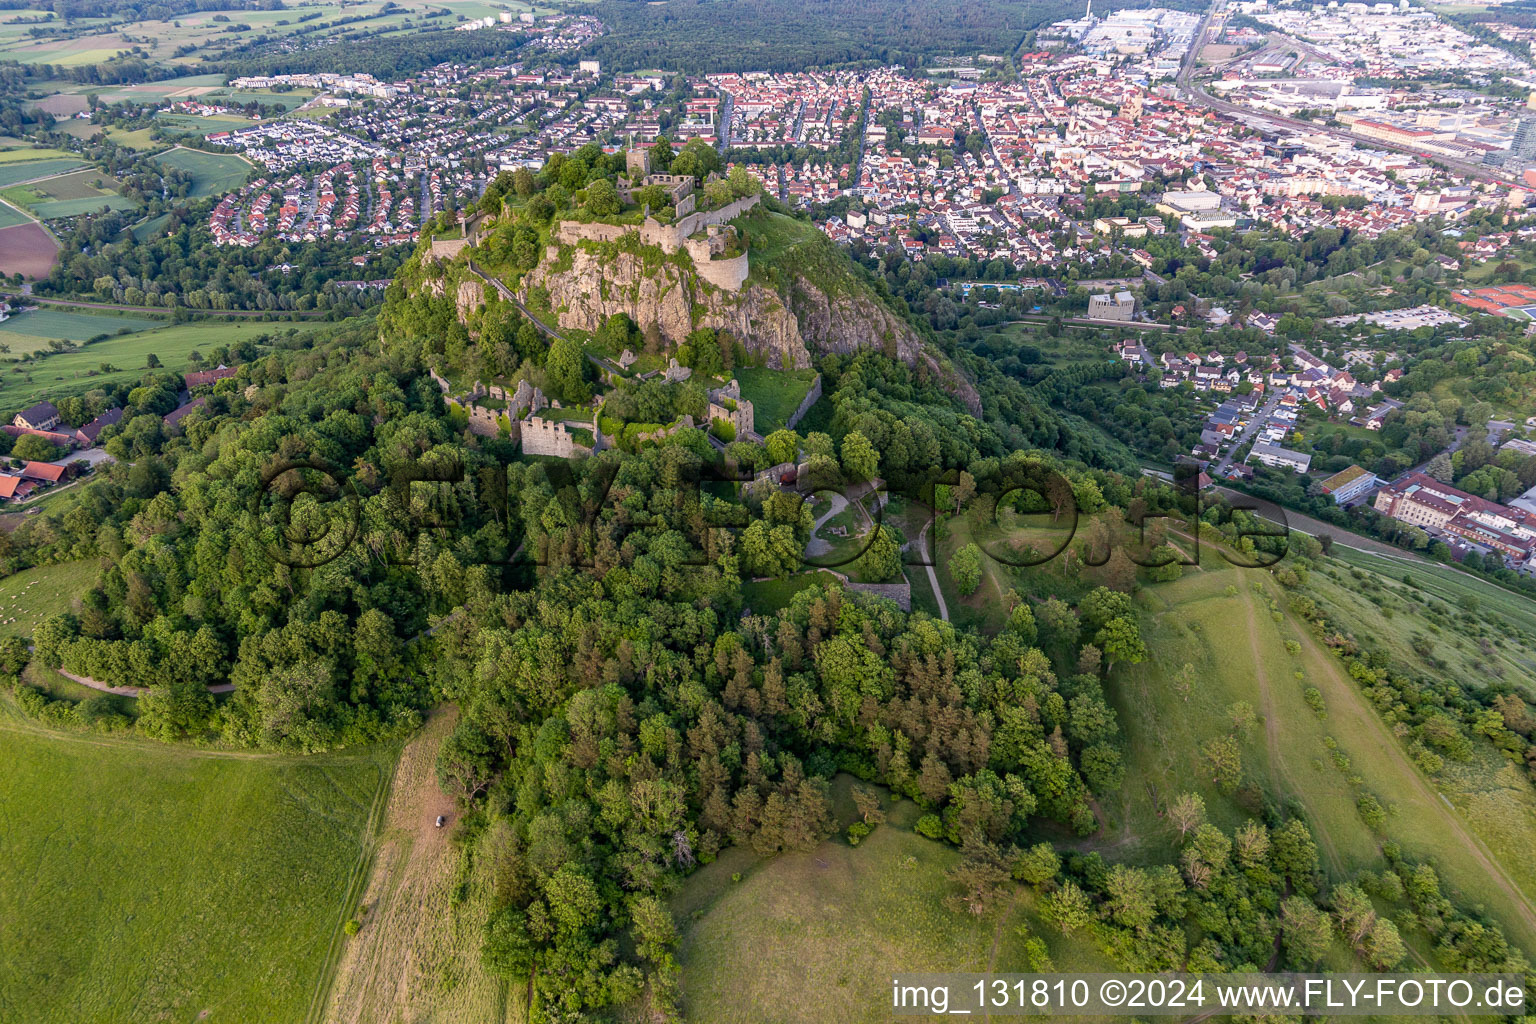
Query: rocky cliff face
[(594, 288), (587, 287)]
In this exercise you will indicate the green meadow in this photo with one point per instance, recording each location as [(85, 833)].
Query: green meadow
[(212, 173), (142, 882), (54, 375), (814, 936)]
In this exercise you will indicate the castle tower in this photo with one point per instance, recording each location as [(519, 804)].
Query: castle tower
[(637, 162)]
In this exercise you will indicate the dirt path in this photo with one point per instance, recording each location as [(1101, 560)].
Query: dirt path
[(131, 691), (417, 957)]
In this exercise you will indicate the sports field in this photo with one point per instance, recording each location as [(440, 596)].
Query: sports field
[(212, 173), (140, 881)]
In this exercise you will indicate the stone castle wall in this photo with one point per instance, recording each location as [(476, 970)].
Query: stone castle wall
[(728, 274), (669, 237), (810, 399), (447, 249), (550, 437)]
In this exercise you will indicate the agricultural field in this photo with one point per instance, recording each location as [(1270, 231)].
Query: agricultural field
[(10, 216), (14, 171), (69, 373), (195, 858), (416, 955), (212, 173), (20, 151), (26, 249), (139, 140), (29, 597), (803, 931), (31, 331), (190, 124), (65, 195)]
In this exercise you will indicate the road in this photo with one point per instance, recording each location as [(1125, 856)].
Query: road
[(41, 301), (1255, 421), (1084, 321), (933, 577)]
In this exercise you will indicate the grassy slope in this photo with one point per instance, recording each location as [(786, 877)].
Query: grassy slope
[(1196, 621), (806, 932), (28, 598), (144, 882), (774, 394)]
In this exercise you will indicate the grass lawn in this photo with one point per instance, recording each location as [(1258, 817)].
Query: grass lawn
[(69, 373), (140, 881), (768, 596), (774, 394), (212, 173), (803, 932), (29, 597)]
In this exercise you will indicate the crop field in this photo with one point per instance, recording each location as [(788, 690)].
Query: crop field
[(10, 216), (191, 124), (27, 249), (136, 140), (17, 151), (65, 195), (29, 597), (803, 931), (69, 373), (46, 323), (14, 171), (144, 882), (212, 173), (74, 185)]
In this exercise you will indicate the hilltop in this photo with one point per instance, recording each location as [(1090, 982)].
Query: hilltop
[(641, 269)]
